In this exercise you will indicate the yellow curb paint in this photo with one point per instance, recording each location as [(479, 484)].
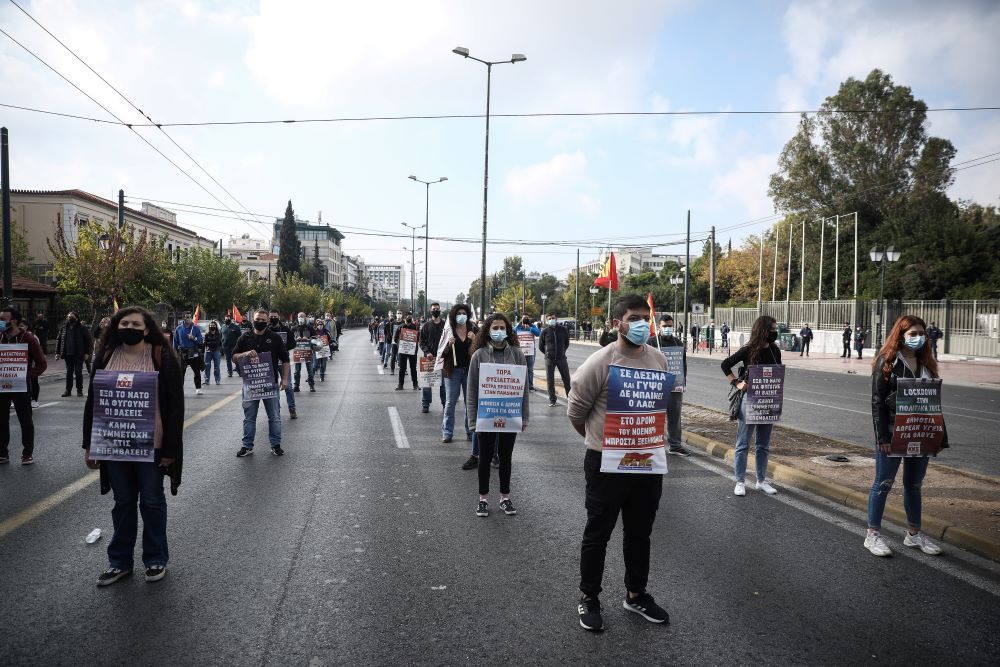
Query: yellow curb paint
[(42, 506)]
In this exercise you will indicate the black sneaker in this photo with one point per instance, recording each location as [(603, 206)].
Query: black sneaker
[(292, 414), (679, 451), (646, 606), (553, 404), (399, 388), (278, 451), (483, 509), (425, 410), (79, 393), (590, 613), (4, 459), (111, 575), (508, 507), (312, 388), (296, 390), (244, 451), (155, 573), (471, 464), (65, 394)]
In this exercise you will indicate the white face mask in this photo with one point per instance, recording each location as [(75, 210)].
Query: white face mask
[(302, 320)]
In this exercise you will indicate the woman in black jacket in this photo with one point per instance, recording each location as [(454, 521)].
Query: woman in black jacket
[(761, 350), (213, 353), (132, 341), (905, 354)]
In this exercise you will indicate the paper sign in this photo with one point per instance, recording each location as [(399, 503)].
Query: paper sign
[(527, 340), (381, 336), (283, 335), (765, 394), (14, 368), (919, 426), (408, 341), (429, 377), (501, 398), (258, 378), (675, 364), (302, 352), (321, 347), (124, 416), (635, 421)]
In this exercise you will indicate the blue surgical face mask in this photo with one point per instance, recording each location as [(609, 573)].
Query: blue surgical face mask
[(667, 331), (3, 325), (914, 343), (461, 318), (638, 332), (551, 323), (498, 334)]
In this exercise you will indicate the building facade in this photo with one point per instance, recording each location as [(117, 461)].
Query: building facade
[(390, 279), (38, 214), (631, 261), (254, 255), (321, 239)]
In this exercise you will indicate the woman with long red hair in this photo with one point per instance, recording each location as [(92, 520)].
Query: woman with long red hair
[(905, 354)]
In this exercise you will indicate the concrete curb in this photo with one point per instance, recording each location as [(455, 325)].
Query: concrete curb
[(937, 528)]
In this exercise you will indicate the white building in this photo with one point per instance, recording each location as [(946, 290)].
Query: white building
[(389, 277), (629, 261), (254, 255), (355, 273), (322, 238)]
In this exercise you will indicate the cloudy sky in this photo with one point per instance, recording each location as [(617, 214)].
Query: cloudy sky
[(552, 179)]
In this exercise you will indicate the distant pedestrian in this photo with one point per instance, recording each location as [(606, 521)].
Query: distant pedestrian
[(262, 338), (934, 335), (525, 327), (407, 359), (74, 345), (553, 343), (231, 333), (388, 329), (636, 497), (457, 352), (213, 353), (608, 334), (134, 342), (675, 404), (905, 354), (709, 336), (187, 343), (695, 330), (319, 332), (302, 333), (430, 340), (847, 341), (283, 332), (806, 334), (496, 344), (859, 340), (761, 350), (40, 327), (724, 331), (14, 331)]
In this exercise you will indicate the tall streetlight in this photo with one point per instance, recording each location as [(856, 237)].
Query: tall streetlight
[(413, 244), (427, 228), (676, 280), (544, 298), (515, 58), (882, 258), (593, 290)]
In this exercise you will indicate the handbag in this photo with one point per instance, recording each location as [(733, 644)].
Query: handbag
[(736, 395)]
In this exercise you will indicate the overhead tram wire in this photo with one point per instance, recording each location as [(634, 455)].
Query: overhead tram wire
[(130, 103), (120, 121)]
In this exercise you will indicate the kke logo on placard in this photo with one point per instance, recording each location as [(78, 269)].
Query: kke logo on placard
[(767, 372), (636, 460), (6, 385), (499, 422), (125, 381)]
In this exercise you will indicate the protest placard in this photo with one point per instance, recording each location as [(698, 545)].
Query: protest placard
[(408, 341), (501, 397), (258, 378), (429, 376), (675, 364), (919, 426), (283, 335), (381, 336), (635, 421), (302, 352), (14, 368), (527, 341), (765, 394), (124, 416), (321, 347)]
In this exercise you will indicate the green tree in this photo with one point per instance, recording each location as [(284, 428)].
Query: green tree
[(460, 297), (510, 302), (290, 253), (20, 254), (292, 294)]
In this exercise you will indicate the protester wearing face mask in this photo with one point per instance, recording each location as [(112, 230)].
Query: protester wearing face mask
[(319, 364), (281, 329), (262, 338), (846, 335), (523, 327), (860, 335), (213, 353), (13, 331), (302, 333), (388, 329), (407, 359), (553, 342), (635, 496), (430, 341), (73, 344), (667, 338), (905, 354), (761, 350), (457, 352), (187, 343), (495, 344), (608, 334), (394, 342), (231, 333)]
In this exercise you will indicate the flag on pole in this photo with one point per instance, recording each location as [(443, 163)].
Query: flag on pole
[(197, 311), (609, 275), (652, 311), (115, 301), (237, 317)]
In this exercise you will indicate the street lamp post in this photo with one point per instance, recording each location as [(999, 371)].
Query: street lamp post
[(427, 228), (882, 258), (676, 280), (413, 244), (593, 290), (515, 58), (544, 299)]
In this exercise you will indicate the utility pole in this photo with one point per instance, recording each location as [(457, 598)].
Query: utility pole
[(822, 240), (855, 254), (802, 265), (711, 276), (687, 271), (836, 258), (8, 278), (760, 273), (774, 275), (576, 313), (788, 275), (121, 209)]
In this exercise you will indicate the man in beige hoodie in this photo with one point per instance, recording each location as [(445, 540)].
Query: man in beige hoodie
[(635, 496)]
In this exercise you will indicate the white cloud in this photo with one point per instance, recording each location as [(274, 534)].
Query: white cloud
[(546, 180), (746, 183)]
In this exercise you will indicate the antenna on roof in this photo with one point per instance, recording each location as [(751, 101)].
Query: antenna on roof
[(320, 217)]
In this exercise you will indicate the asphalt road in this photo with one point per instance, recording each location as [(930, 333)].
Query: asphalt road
[(354, 550), (838, 405)]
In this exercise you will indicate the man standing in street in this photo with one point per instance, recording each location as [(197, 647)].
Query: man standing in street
[(251, 344), (847, 341), (859, 340), (806, 334), (529, 355), (635, 496), (40, 327), (710, 336), (388, 329), (285, 334), (302, 333), (13, 332), (608, 335), (725, 336), (934, 335), (430, 339), (667, 339), (74, 345), (187, 343), (231, 333), (553, 343), (695, 330)]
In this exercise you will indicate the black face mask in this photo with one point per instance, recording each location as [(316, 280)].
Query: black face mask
[(131, 336), (772, 336), (435, 313), (259, 326), (274, 321)]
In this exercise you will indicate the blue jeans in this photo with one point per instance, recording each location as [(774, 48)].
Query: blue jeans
[(143, 482), (674, 405), (272, 406), (914, 469), (531, 371), (289, 391), (227, 352), (298, 372), (454, 387), (744, 432), (213, 358), (425, 396), (319, 364)]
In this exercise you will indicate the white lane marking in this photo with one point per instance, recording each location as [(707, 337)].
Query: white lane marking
[(856, 528), (832, 407), (397, 428), (45, 405), (381, 371)]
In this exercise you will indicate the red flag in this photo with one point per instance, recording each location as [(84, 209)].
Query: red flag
[(237, 317), (609, 275), (197, 311), (652, 311)]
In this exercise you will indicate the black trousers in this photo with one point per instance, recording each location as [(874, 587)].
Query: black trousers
[(196, 365), (34, 388), (805, 347), (22, 406), (550, 376), (410, 359), (488, 443), (74, 368), (847, 349), (636, 497)]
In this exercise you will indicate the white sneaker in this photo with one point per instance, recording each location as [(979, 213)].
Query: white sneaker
[(875, 543), (766, 487), (198, 392), (740, 490), (35, 404), (922, 541)]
